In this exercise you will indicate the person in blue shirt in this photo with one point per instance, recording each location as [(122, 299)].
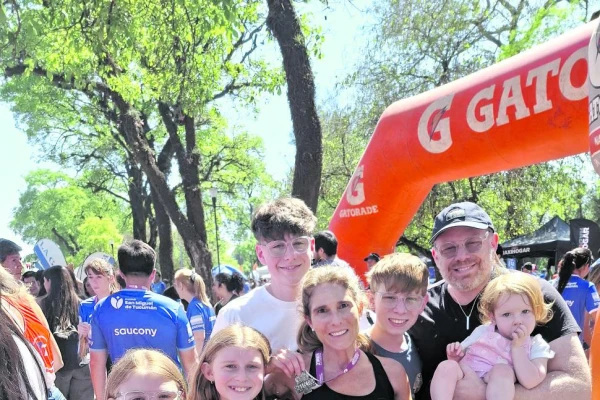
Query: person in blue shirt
[(101, 278), (136, 317), (158, 286), (581, 296), (191, 288)]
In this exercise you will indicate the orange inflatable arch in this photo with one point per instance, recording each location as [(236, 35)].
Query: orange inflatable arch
[(525, 110)]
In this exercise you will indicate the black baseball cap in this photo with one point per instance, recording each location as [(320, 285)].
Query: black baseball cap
[(372, 256), (461, 214)]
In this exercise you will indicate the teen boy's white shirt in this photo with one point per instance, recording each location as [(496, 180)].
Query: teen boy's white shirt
[(278, 320)]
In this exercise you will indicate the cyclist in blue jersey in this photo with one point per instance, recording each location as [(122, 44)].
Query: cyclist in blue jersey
[(136, 317), (191, 288), (581, 296)]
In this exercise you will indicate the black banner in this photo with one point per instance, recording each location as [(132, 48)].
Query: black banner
[(585, 233)]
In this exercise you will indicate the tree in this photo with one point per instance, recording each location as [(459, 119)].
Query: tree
[(285, 26), (54, 206), (412, 50), (166, 63)]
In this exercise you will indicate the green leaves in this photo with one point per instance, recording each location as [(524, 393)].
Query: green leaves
[(54, 206)]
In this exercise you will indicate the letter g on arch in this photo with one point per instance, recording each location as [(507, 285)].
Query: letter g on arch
[(432, 121)]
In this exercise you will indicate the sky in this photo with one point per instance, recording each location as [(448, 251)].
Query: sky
[(341, 28)]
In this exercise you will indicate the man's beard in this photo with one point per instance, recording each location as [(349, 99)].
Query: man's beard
[(481, 276)]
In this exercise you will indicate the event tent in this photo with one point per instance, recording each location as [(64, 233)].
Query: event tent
[(551, 240)]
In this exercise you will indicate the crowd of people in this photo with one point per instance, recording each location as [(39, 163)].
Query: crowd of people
[(315, 331)]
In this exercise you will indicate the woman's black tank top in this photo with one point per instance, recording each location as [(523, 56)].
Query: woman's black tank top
[(383, 387)]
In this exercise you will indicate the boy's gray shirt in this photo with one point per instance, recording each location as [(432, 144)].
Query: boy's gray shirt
[(409, 359)]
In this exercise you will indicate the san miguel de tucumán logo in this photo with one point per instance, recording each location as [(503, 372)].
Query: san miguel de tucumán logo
[(355, 196)]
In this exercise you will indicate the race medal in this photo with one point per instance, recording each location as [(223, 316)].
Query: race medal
[(305, 383)]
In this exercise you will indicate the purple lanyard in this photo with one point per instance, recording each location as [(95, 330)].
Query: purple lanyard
[(321, 372)]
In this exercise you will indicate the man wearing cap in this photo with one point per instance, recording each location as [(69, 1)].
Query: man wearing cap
[(464, 248), (10, 258), (371, 260)]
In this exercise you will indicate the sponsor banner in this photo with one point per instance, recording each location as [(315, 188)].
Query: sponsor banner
[(49, 254), (585, 233)]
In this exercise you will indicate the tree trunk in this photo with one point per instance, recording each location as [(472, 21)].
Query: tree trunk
[(136, 199), (165, 238), (284, 24), (133, 126), (152, 225)]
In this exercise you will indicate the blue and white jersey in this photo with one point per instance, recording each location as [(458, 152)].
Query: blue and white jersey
[(86, 309), (580, 296), (135, 318), (202, 317)]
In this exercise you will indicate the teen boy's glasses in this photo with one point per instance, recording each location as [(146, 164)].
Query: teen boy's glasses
[(277, 248), (472, 245), (391, 300), (139, 395)]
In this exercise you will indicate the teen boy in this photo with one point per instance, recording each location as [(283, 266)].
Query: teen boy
[(282, 229), (399, 285)]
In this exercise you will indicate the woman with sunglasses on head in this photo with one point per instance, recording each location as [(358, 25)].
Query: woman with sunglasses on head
[(335, 362), (227, 287)]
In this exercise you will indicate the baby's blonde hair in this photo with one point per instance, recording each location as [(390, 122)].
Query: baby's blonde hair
[(514, 283)]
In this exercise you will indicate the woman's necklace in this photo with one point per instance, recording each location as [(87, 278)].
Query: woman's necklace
[(468, 316)]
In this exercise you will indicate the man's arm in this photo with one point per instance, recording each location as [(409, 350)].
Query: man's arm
[(188, 359), (568, 374), (98, 371)]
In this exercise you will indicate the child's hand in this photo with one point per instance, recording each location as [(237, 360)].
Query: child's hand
[(454, 352), (519, 336)]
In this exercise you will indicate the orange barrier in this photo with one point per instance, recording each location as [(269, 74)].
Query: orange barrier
[(525, 110)]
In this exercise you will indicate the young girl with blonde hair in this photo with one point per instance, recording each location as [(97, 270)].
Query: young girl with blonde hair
[(232, 365), (145, 374), (191, 288), (501, 351)]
